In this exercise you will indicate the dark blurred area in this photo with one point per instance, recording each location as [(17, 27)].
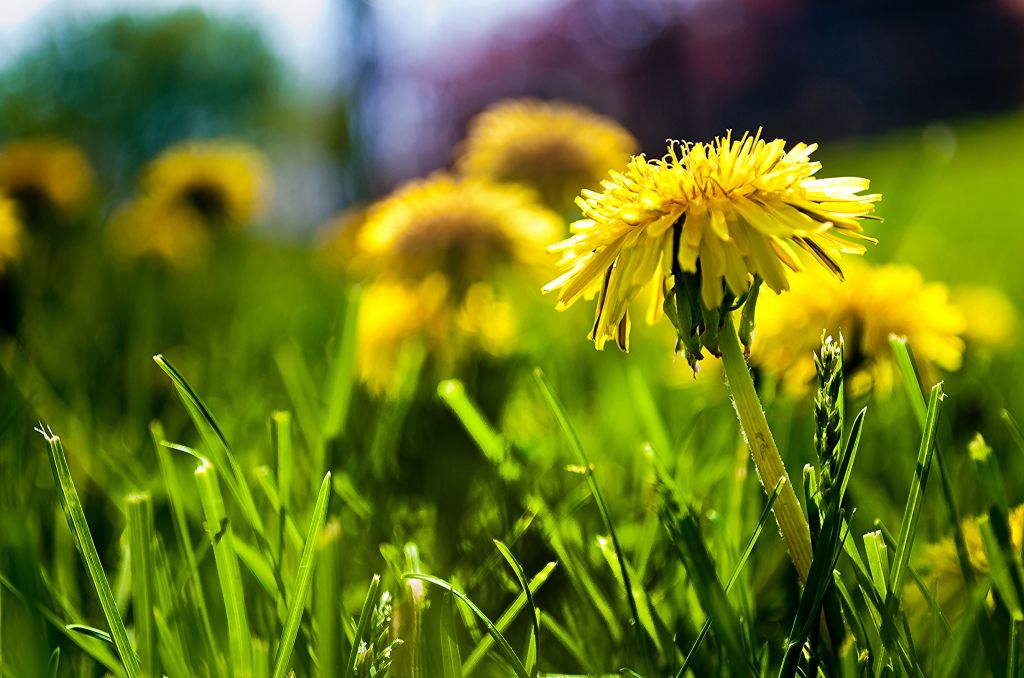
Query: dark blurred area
[(799, 69)]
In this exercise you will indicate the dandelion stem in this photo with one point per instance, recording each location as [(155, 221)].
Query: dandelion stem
[(770, 468)]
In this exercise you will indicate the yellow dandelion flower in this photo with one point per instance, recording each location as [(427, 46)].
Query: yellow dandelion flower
[(145, 227), (45, 175), (721, 211), (873, 303), (463, 228), (225, 182), (992, 320), (337, 245), (555, 147), (939, 568), (394, 319), (11, 234), (487, 321)]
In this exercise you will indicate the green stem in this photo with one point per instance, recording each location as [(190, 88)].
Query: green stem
[(770, 468)]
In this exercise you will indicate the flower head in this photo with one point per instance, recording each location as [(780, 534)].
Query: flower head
[(399, 319), (462, 228), (11, 234), (719, 212), (45, 176), (145, 227), (874, 303), (555, 147), (223, 182)]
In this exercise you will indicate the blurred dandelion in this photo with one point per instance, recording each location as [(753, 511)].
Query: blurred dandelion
[(940, 570), (225, 182), (875, 301), (396, 321), (992, 322), (465, 229), (187, 193), (46, 176), (11, 234), (723, 211), (554, 147), (337, 245), (145, 227)]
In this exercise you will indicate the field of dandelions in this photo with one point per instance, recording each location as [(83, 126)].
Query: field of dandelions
[(739, 406)]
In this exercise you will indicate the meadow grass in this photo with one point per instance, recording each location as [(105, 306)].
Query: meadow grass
[(240, 505)]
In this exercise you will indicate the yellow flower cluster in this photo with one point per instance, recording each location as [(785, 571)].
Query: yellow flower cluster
[(554, 147), (725, 210), (46, 176), (872, 304), (188, 192)]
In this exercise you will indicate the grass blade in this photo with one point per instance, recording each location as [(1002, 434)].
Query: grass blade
[(499, 639), (75, 514), (908, 527), (563, 420), (140, 546), (221, 537), (365, 619), (303, 580), (517, 568), (451, 661), (343, 372), (507, 617)]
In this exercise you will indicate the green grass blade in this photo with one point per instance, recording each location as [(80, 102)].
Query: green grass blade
[(222, 538), (563, 420), (1015, 430), (363, 625), (908, 527), (326, 594), (216, 446), (517, 568), (75, 514), (507, 617), (490, 442), (343, 371), (747, 550), (451, 661), (140, 545), (492, 630), (303, 580)]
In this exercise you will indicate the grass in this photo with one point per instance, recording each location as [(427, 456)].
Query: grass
[(245, 507)]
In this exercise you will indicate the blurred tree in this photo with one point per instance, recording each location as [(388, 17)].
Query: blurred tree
[(127, 86)]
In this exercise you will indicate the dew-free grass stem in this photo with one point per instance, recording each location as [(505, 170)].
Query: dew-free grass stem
[(788, 513)]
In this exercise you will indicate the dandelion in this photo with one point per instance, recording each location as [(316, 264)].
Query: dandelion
[(45, 176), (397, 321), (11, 234), (939, 569), (224, 182), (875, 302), (721, 212), (698, 230), (465, 229), (338, 242), (145, 227), (555, 147), (992, 322)]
